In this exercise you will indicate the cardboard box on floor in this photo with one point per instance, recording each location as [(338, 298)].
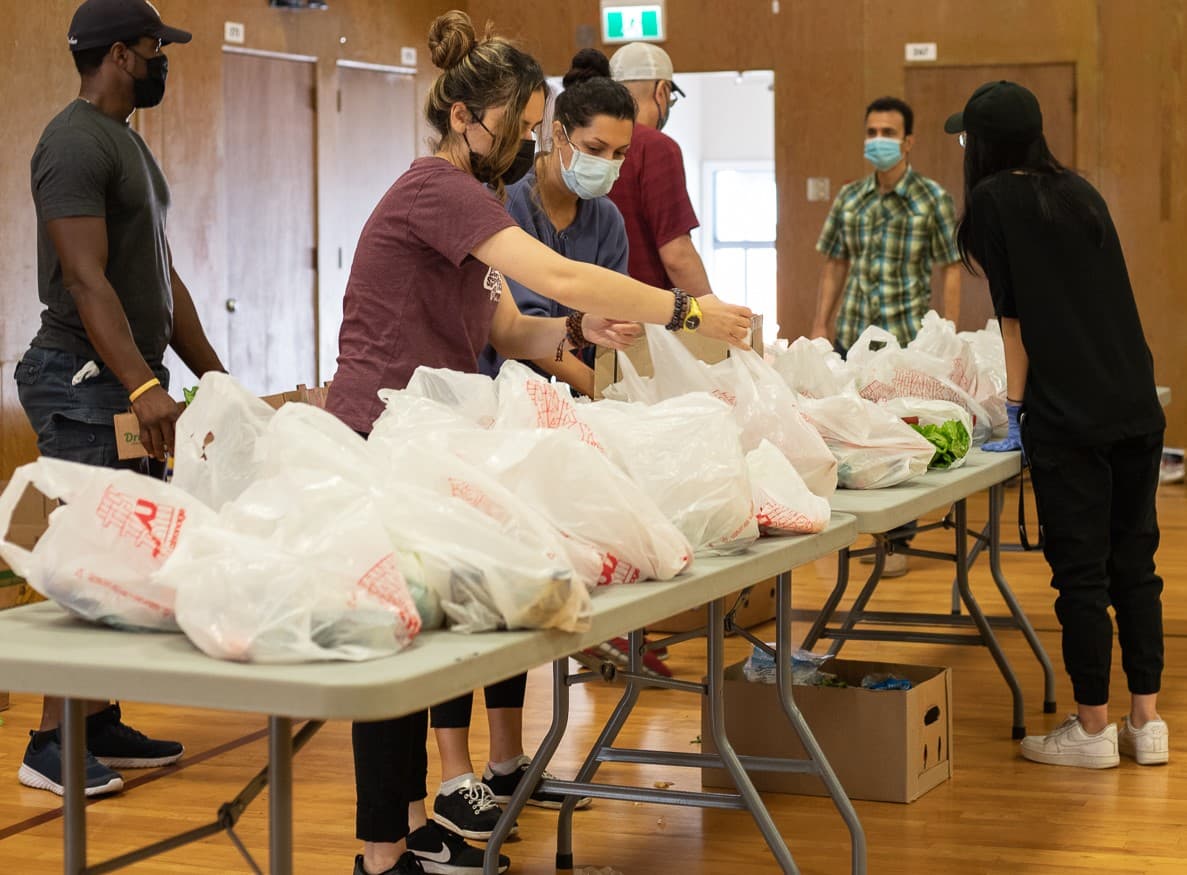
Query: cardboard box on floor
[(29, 522), (127, 426), (884, 745), (606, 370)]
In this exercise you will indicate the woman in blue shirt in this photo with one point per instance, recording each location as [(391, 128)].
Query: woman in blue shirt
[(562, 201)]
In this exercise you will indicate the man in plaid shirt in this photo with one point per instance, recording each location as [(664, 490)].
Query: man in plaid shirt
[(884, 233)]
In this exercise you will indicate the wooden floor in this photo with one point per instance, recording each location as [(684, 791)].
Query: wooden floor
[(999, 814)]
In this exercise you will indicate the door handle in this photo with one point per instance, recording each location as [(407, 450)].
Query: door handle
[(232, 305)]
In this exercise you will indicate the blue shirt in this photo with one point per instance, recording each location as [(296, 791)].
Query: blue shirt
[(596, 236)]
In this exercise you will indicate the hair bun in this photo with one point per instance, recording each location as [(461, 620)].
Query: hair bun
[(451, 39), (587, 64)]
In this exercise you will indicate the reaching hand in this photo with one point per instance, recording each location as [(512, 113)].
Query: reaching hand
[(723, 321), (156, 412), (610, 332), (1013, 439)]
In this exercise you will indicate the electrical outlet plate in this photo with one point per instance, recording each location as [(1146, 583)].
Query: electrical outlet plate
[(818, 188), (408, 56), (234, 32)]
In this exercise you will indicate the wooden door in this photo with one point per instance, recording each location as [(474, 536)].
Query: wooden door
[(937, 92), (270, 119), (377, 124)]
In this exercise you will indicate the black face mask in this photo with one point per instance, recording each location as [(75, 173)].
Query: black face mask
[(524, 158), (150, 90)]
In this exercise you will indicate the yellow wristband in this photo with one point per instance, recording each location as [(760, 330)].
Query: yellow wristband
[(153, 382), (692, 320)]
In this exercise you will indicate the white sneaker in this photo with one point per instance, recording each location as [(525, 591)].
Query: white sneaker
[(1070, 745), (1150, 745)]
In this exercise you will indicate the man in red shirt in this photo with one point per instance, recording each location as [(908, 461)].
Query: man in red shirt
[(651, 193)]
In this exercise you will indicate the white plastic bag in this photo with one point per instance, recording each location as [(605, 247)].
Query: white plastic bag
[(471, 395), (764, 406), (931, 412), (892, 372), (686, 454), (873, 447), (215, 453), (813, 368), (783, 503), (98, 556), (296, 569), (587, 497), (527, 400)]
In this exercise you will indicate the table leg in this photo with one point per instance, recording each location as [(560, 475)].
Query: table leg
[(729, 759), (831, 603), (987, 636), (783, 645), (280, 795), (544, 754), (74, 802), (863, 597), (996, 502), (564, 826)]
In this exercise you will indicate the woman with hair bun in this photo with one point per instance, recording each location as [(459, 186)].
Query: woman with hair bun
[(427, 288)]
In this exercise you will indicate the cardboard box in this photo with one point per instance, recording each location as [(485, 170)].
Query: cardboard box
[(127, 426), (606, 370), (884, 745), (756, 606)]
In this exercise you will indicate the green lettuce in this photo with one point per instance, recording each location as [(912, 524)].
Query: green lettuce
[(951, 441), (189, 395)]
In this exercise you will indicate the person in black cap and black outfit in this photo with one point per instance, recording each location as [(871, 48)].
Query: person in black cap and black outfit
[(113, 304), (1083, 408)]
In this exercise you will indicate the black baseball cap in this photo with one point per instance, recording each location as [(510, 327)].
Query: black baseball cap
[(99, 23), (999, 111)]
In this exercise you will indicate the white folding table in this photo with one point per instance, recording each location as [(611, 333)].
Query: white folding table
[(880, 511), (43, 650)]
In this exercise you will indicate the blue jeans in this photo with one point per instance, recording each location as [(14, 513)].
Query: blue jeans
[(75, 422)]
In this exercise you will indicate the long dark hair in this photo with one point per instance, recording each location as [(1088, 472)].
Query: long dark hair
[(1054, 185), (589, 91)]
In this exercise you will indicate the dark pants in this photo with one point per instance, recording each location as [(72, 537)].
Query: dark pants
[(75, 422), (456, 714), (390, 766), (1100, 527)]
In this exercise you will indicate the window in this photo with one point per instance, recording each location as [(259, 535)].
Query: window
[(740, 243)]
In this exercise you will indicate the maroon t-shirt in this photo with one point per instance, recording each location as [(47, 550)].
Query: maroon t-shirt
[(652, 196), (415, 295)]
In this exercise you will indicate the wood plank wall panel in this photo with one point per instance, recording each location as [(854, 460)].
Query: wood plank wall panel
[(185, 133)]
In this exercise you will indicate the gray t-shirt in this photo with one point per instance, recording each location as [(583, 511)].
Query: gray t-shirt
[(87, 164)]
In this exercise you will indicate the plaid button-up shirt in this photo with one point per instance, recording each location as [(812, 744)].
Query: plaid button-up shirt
[(891, 242)]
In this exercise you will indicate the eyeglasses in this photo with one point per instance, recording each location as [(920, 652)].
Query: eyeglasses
[(963, 139)]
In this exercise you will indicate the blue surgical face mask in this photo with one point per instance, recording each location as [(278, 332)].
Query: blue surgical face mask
[(883, 152), (589, 176)]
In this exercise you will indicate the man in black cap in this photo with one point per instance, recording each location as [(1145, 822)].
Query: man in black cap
[(112, 305)]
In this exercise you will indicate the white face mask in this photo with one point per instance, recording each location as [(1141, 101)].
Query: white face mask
[(589, 176)]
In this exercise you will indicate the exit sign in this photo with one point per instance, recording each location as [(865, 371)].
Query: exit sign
[(633, 22)]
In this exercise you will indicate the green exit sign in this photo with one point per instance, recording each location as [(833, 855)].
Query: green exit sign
[(633, 22)]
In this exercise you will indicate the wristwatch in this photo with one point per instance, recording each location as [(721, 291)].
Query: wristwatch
[(692, 321)]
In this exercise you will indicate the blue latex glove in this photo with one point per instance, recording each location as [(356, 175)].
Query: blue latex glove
[(1013, 438)]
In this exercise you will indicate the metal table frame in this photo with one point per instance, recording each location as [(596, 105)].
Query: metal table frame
[(604, 749), (987, 540)]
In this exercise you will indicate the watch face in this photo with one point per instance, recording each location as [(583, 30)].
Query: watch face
[(692, 323)]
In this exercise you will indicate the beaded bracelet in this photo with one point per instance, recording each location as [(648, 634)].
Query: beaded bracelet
[(574, 337), (679, 310)]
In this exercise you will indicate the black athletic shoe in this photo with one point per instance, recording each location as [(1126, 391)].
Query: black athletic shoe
[(504, 786), (41, 768), (119, 746), (442, 852), (470, 811), (408, 864)]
